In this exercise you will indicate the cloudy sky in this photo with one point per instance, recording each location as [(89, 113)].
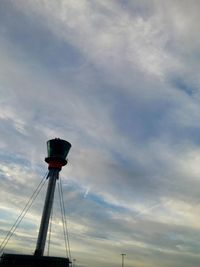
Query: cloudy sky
[(119, 80)]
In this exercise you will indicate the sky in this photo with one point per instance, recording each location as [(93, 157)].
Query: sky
[(119, 80)]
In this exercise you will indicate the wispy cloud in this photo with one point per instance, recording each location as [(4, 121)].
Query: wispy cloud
[(120, 81)]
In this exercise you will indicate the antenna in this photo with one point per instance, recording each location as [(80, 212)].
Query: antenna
[(57, 150)]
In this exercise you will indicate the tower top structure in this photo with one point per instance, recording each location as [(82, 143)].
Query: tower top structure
[(57, 151)]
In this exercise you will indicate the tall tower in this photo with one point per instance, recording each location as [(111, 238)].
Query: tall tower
[(58, 150)]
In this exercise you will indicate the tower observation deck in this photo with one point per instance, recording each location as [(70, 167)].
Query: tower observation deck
[(58, 150)]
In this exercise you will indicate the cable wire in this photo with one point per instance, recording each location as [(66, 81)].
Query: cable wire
[(65, 219), (65, 231), (62, 216), (49, 236), (21, 216), (23, 213)]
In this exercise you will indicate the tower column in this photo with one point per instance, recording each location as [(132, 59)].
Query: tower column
[(53, 175)]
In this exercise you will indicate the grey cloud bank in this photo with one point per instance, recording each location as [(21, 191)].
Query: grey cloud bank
[(120, 81)]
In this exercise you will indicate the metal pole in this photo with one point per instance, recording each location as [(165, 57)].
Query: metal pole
[(123, 254), (53, 175)]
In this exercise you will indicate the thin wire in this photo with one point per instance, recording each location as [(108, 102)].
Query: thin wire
[(62, 214), (23, 213), (49, 237), (19, 220), (65, 219)]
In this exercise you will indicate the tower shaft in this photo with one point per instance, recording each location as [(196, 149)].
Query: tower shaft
[(53, 175)]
